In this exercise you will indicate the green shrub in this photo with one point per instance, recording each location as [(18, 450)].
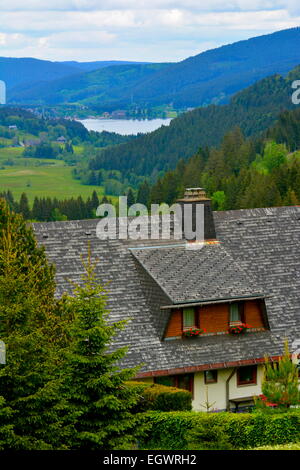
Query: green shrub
[(161, 398), (208, 436), (179, 430)]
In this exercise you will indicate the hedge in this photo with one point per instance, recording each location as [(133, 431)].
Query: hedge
[(161, 397), (170, 431)]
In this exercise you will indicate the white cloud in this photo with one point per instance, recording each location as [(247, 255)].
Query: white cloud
[(153, 30), (93, 39), (86, 5)]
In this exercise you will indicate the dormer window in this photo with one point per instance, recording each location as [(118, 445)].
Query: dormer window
[(188, 318), (236, 313), (217, 317)]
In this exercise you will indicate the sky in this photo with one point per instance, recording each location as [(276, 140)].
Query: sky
[(136, 30)]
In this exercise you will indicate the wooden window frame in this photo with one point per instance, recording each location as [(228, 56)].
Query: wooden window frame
[(215, 373), (196, 320), (241, 308), (243, 382)]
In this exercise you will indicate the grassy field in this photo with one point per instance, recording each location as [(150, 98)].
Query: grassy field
[(40, 177)]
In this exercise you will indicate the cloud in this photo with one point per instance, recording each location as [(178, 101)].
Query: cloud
[(96, 5), (94, 39), (151, 30)]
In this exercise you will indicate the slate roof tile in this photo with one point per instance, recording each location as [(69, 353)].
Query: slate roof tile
[(259, 253)]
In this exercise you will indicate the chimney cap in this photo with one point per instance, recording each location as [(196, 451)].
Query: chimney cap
[(194, 194)]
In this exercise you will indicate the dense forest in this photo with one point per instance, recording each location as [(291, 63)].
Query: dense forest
[(95, 87), (209, 77), (48, 209), (241, 172), (253, 109)]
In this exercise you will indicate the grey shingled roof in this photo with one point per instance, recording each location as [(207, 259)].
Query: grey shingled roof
[(259, 247), (209, 273)]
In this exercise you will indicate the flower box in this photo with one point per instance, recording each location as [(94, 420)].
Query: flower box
[(192, 332), (238, 329)]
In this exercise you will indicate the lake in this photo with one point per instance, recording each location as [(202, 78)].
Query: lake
[(125, 126)]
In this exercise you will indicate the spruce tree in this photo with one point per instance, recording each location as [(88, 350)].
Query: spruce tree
[(95, 200), (143, 195), (130, 198), (34, 332), (98, 400), (280, 384), (24, 207)]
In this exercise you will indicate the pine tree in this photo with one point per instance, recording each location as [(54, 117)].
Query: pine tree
[(95, 200), (280, 384), (24, 207), (94, 386), (130, 198), (33, 331), (143, 195)]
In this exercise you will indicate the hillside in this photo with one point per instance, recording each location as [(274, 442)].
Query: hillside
[(216, 74), (17, 72), (242, 172), (90, 66), (210, 77), (104, 84), (253, 109)]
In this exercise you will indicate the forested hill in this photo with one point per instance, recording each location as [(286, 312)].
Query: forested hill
[(217, 74), (94, 87), (212, 76), (17, 72), (253, 109), (241, 173)]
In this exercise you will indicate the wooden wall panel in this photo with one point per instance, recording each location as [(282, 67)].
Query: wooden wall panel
[(175, 324), (253, 315), (214, 318)]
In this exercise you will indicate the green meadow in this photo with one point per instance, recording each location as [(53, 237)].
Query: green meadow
[(40, 177)]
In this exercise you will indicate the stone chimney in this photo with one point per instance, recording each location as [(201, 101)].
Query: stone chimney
[(195, 197)]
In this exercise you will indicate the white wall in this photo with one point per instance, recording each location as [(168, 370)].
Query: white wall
[(217, 391)]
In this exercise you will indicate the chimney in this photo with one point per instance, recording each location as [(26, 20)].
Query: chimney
[(195, 197)]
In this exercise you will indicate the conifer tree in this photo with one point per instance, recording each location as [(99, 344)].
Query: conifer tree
[(95, 200), (130, 198), (34, 333), (143, 195), (24, 207), (280, 384), (98, 400)]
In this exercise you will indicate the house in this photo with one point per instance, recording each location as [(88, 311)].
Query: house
[(247, 271), (119, 114), (32, 142), (61, 140)]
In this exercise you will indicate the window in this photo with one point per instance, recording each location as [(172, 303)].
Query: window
[(210, 376), (236, 312), (247, 375), (188, 318), (183, 381)]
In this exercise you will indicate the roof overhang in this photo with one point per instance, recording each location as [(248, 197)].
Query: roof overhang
[(203, 367), (192, 303)]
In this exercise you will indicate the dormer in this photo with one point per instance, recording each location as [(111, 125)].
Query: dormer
[(203, 288), (216, 318)]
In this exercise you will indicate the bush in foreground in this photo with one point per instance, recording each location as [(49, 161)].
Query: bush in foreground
[(187, 430), (161, 398)]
